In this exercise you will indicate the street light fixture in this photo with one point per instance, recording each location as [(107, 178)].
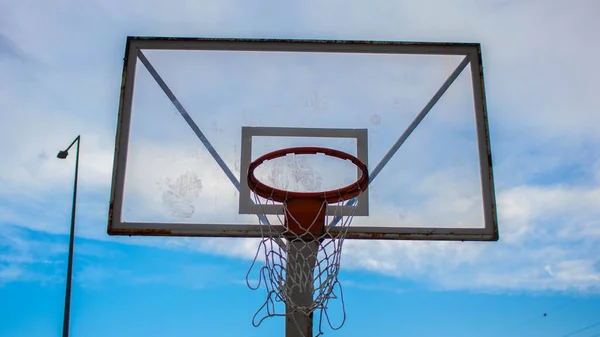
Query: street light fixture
[(67, 313)]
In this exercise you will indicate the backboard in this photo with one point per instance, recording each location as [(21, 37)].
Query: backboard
[(195, 112)]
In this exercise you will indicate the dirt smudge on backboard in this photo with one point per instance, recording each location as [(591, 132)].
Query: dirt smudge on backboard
[(375, 119), (180, 194)]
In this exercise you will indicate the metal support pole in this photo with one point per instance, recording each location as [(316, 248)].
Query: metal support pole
[(67, 309), (301, 262)]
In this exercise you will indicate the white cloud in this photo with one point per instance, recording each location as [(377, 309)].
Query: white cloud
[(25, 259), (542, 248), (10, 273), (541, 86), (547, 236)]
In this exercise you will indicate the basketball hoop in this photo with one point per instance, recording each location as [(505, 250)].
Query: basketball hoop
[(302, 273)]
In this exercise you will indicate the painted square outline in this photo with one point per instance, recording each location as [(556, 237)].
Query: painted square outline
[(246, 202)]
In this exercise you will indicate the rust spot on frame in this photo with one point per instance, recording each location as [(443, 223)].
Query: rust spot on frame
[(149, 232), (110, 216), (364, 42)]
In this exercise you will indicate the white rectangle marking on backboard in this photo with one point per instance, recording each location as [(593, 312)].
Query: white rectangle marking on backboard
[(246, 203)]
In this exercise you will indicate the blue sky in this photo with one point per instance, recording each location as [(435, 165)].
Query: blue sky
[(61, 66)]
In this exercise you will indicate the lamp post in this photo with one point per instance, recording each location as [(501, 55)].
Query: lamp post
[(67, 312)]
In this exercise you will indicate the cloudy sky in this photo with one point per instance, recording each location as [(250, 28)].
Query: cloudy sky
[(61, 68)]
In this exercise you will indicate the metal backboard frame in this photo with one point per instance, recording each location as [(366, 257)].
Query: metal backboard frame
[(472, 58)]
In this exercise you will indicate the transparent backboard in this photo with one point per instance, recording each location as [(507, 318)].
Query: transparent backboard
[(195, 112)]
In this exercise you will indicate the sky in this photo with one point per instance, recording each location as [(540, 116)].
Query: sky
[(61, 66)]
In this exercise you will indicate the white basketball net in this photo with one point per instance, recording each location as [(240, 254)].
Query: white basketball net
[(293, 266)]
